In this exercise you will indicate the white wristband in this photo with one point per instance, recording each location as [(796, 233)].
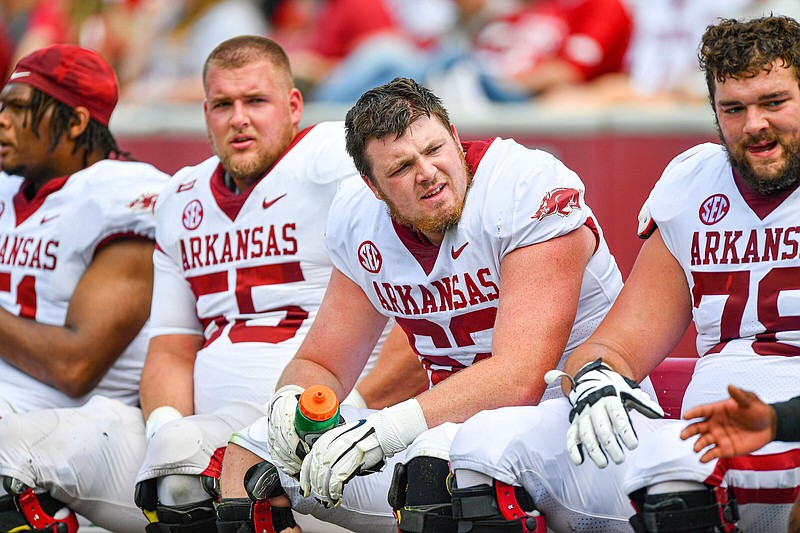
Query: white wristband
[(397, 426), (355, 399), (159, 417)]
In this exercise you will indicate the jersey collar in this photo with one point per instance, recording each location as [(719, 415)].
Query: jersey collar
[(761, 205), (24, 208)]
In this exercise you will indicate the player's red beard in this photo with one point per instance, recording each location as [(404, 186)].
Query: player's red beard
[(769, 182), (439, 222), (245, 168), (252, 164)]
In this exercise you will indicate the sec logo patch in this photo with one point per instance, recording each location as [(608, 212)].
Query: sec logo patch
[(192, 215), (369, 257), (714, 208)]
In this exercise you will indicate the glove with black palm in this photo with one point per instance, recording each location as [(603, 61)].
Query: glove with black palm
[(601, 399)]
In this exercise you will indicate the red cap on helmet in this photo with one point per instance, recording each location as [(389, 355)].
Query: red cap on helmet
[(72, 75)]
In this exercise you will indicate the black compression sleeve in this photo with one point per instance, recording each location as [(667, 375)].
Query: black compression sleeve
[(788, 420)]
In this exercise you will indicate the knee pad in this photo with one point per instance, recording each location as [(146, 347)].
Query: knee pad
[(262, 482), (497, 508), (24, 509), (195, 517), (712, 510), (420, 496), (10, 517), (243, 515), (256, 514)]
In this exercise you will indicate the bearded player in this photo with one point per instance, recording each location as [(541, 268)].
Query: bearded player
[(240, 270), (722, 249), (487, 256)]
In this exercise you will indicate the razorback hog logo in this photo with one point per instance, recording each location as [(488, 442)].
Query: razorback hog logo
[(146, 202), (561, 201)]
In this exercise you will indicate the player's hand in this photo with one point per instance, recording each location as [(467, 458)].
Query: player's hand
[(339, 455), (282, 436), (601, 399), (737, 426), (358, 448)]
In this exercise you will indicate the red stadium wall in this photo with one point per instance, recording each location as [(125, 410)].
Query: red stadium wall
[(619, 168)]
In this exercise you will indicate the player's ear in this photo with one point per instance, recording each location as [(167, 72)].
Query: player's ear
[(78, 122), (372, 187), (455, 133), (296, 105)]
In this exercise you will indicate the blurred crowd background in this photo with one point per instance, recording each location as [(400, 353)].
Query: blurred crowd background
[(473, 53), (611, 87)]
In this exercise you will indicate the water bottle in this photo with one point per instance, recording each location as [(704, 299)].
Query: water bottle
[(317, 412)]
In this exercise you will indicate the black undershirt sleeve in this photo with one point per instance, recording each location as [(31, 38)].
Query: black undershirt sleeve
[(788, 420)]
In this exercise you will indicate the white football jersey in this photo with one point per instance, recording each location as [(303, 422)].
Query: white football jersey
[(47, 243), (445, 298), (739, 294), (247, 269), (740, 252)]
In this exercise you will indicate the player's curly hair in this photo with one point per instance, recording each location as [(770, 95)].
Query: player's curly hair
[(744, 48), (95, 137), (388, 110)]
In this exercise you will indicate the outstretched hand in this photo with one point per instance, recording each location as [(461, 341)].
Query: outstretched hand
[(739, 425)]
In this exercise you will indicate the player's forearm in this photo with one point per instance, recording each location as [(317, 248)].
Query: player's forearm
[(59, 356), (631, 340), (646, 321), (391, 387), (397, 375), (613, 356), (305, 373), (787, 414), (630, 351), (167, 380), (484, 385)]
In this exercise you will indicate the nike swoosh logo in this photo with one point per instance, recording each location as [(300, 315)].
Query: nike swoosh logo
[(48, 218), (455, 252), (267, 203), (16, 75)]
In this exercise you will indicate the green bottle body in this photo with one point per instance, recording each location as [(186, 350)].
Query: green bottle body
[(310, 430), (317, 412)]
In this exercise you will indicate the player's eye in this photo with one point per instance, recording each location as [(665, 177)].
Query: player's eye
[(13, 106), (399, 170)]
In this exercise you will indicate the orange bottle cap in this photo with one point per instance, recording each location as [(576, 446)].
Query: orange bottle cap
[(318, 403)]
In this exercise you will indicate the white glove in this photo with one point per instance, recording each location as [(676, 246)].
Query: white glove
[(281, 434), (158, 417), (601, 399), (359, 448)]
